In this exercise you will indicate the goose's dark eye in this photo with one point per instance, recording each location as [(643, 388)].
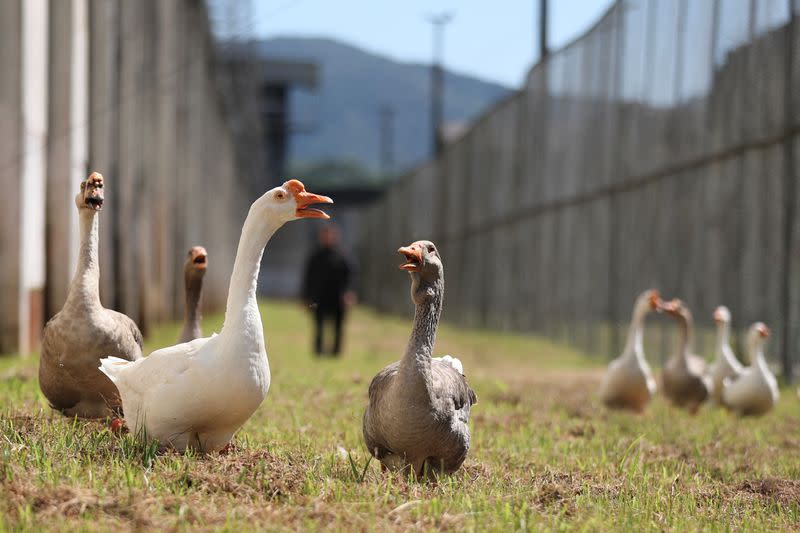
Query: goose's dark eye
[(280, 195), (431, 249)]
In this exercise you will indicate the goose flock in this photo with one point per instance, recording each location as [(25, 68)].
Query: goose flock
[(686, 380), (199, 392)]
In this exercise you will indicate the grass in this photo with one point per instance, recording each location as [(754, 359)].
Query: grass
[(545, 455)]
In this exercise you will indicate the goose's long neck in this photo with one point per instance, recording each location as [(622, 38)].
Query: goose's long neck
[(684, 337), (723, 338), (241, 310), (84, 291), (757, 356), (417, 358), (634, 345), (191, 312)]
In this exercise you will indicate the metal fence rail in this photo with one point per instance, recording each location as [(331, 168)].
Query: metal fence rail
[(657, 150)]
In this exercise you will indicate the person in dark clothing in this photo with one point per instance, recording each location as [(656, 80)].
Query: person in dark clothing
[(326, 287)]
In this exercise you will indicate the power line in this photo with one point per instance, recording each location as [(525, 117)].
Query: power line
[(544, 48), (438, 23)]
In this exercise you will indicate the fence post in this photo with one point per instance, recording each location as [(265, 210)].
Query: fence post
[(789, 203), (618, 167)]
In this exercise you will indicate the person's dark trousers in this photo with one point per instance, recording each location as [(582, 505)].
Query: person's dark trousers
[(322, 315)]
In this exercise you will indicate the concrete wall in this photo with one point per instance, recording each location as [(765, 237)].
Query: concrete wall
[(61, 230), (128, 89), (10, 164), (35, 73)]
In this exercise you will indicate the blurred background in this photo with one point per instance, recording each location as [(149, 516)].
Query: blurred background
[(563, 157)]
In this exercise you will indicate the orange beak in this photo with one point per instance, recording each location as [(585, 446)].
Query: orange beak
[(763, 331), (413, 256), (655, 301), (718, 316), (672, 306), (304, 199)]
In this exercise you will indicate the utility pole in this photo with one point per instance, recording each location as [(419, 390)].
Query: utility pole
[(438, 23), (386, 140), (544, 50)]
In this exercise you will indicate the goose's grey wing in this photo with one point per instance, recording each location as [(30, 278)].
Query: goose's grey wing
[(129, 331), (372, 438), (382, 380), (451, 385)]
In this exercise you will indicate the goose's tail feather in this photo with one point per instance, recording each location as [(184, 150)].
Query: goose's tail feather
[(110, 366), (452, 361)]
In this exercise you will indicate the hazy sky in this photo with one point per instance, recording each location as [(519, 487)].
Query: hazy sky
[(483, 39)]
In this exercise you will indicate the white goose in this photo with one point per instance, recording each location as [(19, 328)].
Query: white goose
[(755, 390), (629, 383), (725, 365), (197, 394)]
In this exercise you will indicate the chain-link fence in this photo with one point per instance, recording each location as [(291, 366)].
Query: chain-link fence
[(658, 150)]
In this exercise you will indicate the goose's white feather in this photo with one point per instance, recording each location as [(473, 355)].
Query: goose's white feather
[(187, 395), (452, 361)]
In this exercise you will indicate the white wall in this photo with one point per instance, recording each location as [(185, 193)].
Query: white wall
[(79, 119), (34, 137)]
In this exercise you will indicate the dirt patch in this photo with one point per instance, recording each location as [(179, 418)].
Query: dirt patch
[(72, 503), (22, 425), (664, 452), (581, 430), (555, 490), (26, 427), (783, 491), (255, 474), (558, 495)]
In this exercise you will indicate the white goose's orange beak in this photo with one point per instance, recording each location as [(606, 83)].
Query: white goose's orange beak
[(718, 316), (304, 199), (413, 254), (763, 331)]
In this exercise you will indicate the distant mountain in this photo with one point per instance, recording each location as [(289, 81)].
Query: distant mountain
[(354, 84)]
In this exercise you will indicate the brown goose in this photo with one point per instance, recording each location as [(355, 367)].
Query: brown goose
[(687, 382), (83, 332), (419, 407), (193, 271)]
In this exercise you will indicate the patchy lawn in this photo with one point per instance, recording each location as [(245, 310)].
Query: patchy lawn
[(545, 454)]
